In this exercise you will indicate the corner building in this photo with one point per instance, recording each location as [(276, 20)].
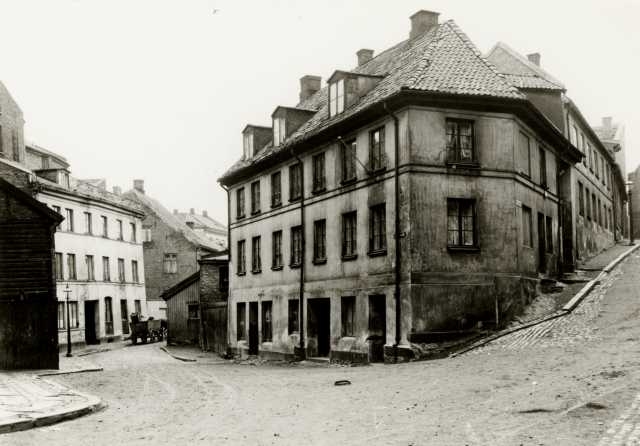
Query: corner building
[(413, 195)]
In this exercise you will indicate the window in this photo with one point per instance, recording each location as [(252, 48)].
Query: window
[(121, 277), (296, 246), (247, 141), (276, 250), (597, 164), (294, 316), (267, 332), (71, 266), (137, 306), (549, 233), (524, 154), (318, 173), (320, 241), (146, 235), (16, 145), (586, 151), (241, 317), (170, 263), (69, 219), (45, 162), (106, 272), (295, 182), (276, 189), (587, 203), (193, 311), (349, 234), (377, 229), (461, 223), (255, 197), (600, 213), (134, 271), (105, 227), (62, 323), (376, 149), (348, 312), (223, 278), (1, 142), (55, 208), (583, 142), (573, 135), (256, 261), (460, 141), (349, 161), (58, 266), (336, 97), (134, 237), (242, 267), (124, 316), (120, 231), (108, 316), (527, 236), (64, 179), (543, 167), (240, 203), (73, 315), (88, 260), (88, 223), (594, 208), (590, 159), (580, 199), (279, 131)]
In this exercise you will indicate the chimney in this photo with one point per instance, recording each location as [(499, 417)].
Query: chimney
[(607, 122), (422, 21), (138, 185), (175, 212), (534, 58), (364, 56), (204, 213), (117, 190), (192, 211), (309, 85)]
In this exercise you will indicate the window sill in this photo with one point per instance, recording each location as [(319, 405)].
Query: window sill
[(347, 258), (276, 268), (293, 200), (377, 253), (255, 212), (378, 171), (276, 205), (240, 217), (463, 164), (463, 248), (256, 271), (348, 181), (319, 190), (294, 265), (319, 261), (241, 274)]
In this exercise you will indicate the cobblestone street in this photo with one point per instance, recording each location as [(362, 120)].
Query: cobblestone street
[(571, 381)]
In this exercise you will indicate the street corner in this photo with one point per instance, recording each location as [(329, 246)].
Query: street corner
[(28, 401)]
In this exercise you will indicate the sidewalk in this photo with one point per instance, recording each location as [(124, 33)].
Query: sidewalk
[(27, 400)]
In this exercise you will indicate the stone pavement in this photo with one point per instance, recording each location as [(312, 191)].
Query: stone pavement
[(28, 400)]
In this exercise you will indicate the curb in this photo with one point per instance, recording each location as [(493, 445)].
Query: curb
[(179, 358), (566, 309), (69, 372), (93, 404)]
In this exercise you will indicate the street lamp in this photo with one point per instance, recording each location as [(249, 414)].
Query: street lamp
[(67, 291)]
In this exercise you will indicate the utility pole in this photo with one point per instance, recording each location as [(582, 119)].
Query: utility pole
[(67, 291)]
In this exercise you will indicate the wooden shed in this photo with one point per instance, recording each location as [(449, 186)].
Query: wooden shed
[(197, 306), (28, 303)]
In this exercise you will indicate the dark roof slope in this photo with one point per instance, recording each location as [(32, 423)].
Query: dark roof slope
[(442, 60), (38, 207)]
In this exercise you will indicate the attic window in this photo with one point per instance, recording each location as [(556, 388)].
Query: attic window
[(279, 131), (248, 145), (336, 97)]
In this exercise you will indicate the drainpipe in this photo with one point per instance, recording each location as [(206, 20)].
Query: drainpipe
[(396, 229), (226, 189), (301, 353)]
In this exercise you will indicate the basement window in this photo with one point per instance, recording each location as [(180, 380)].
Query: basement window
[(336, 97)]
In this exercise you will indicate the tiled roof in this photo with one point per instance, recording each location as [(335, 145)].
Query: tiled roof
[(202, 221), (521, 72), (442, 60), (171, 220), (34, 147)]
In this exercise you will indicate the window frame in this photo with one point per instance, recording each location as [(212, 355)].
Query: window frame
[(542, 161), (320, 242), (106, 269), (241, 267), (72, 270), (276, 192), (527, 211), (295, 260), (69, 220), (337, 97), (135, 277), (170, 263), (256, 257), (347, 316), (277, 259), (241, 320), (293, 316), (348, 155), (319, 173), (527, 138), (377, 159), (349, 235), (240, 203), (255, 197), (378, 224), (121, 272), (105, 226), (459, 228), (295, 182), (90, 264), (457, 149), (266, 317), (88, 223)]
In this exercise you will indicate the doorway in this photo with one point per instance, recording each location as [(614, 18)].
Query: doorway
[(541, 244), (90, 326), (124, 316), (377, 327), (253, 328), (319, 322)]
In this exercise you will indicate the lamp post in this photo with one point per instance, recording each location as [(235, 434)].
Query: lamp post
[(630, 198), (68, 355)]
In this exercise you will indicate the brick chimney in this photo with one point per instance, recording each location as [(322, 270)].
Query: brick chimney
[(607, 122), (117, 190), (138, 185), (309, 85), (204, 213), (422, 21), (534, 58), (364, 56)]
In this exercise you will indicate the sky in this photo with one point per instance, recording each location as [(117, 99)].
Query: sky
[(161, 89)]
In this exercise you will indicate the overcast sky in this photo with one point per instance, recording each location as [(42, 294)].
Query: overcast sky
[(160, 90)]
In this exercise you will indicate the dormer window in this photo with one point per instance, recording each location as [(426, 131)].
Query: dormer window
[(248, 145), (279, 131), (336, 97)]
